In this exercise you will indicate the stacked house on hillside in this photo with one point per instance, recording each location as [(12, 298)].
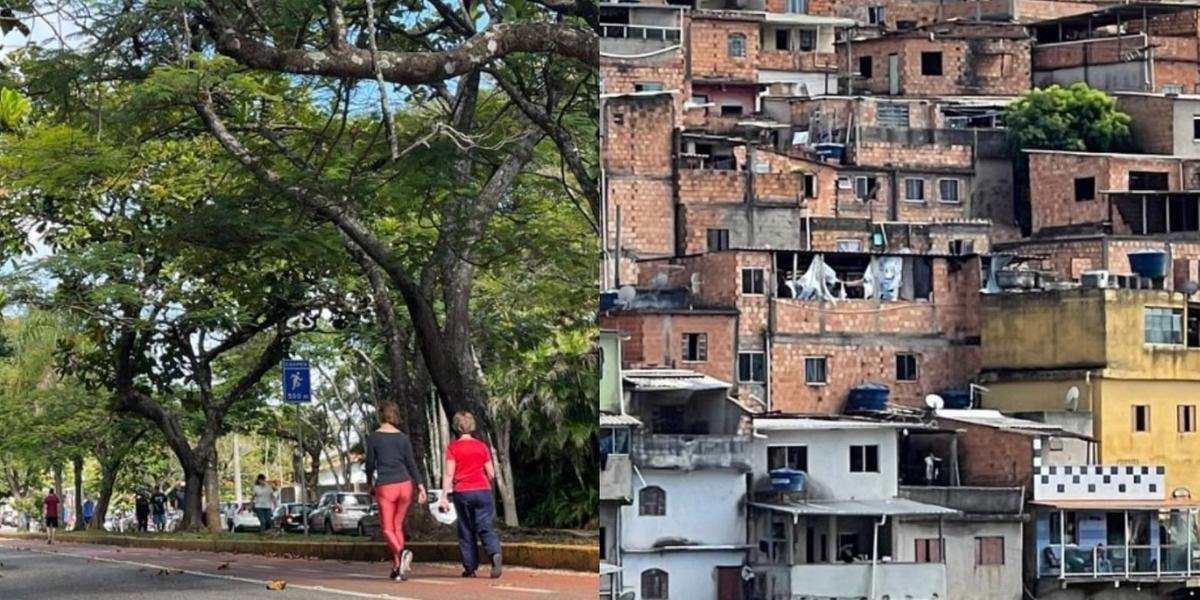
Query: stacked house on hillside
[(817, 238)]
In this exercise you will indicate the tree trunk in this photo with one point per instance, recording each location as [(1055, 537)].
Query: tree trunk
[(58, 491), (193, 491), (108, 480), (504, 476), (212, 510), (77, 466)]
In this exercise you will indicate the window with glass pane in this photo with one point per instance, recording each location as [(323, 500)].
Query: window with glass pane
[(808, 40), (948, 190), (1164, 325), (814, 370), (753, 281), (752, 367), (914, 189), (737, 45), (864, 459), (654, 584), (787, 457), (797, 7)]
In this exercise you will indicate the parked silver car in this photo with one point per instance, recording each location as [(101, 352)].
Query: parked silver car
[(369, 525), (339, 512)]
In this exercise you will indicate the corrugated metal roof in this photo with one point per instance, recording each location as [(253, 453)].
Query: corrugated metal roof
[(619, 421), (857, 508), (672, 379)]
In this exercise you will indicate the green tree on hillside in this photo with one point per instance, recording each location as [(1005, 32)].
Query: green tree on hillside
[(1078, 117)]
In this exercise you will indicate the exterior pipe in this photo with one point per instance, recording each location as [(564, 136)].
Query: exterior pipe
[(875, 551)]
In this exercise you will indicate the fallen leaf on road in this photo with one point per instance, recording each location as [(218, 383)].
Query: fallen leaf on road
[(276, 585), (222, 566), (168, 572)]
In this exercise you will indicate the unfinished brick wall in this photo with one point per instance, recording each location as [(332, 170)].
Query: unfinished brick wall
[(787, 60), (1066, 258), (1052, 179), (975, 65), (1176, 72), (879, 154), (753, 309), (933, 207), (1029, 11), (703, 186), (988, 456), (655, 340), (621, 75), (1153, 130), (708, 45), (719, 283), (637, 151), (939, 366)]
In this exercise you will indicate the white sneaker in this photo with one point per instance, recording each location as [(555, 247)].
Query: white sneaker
[(405, 564)]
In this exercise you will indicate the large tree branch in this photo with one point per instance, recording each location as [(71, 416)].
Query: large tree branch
[(566, 144), (270, 356), (420, 309), (496, 42), (584, 9)]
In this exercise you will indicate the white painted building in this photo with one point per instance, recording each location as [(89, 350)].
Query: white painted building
[(844, 534), (683, 537)]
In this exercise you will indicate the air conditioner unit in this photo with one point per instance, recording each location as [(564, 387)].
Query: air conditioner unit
[(1095, 279)]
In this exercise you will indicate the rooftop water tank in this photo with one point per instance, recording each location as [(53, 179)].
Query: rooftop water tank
[(1148, 263), (867, 397), (787, 480), (957, 398)]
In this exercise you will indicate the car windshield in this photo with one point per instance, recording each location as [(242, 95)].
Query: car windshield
[(295, 508), (362, 500)]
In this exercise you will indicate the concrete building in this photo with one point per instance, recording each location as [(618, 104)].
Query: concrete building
[(844, 534), (688, 453), (616, 467), (1132, 358), (1167, 124)]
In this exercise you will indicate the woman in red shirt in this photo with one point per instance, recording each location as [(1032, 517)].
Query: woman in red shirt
[(469, 473)]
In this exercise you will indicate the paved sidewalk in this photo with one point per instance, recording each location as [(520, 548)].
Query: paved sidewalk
[(305, 578)]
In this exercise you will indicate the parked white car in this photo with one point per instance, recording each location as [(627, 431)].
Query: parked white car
[(339, 512), (241, 517)]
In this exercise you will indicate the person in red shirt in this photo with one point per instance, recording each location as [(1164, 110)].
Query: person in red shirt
[(51, 504), (469, 474)]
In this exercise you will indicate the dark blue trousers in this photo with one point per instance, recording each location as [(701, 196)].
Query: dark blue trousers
[(476, 511)]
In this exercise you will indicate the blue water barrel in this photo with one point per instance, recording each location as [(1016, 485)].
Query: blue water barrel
[(787, 480), (834, 151), (1148, 263), (867, 397), (608, 301), (957, 398)]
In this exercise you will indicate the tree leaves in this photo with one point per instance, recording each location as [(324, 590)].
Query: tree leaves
[(1078, 118)]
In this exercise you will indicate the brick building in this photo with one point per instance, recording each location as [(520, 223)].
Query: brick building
[(953, 58), (738, 312)]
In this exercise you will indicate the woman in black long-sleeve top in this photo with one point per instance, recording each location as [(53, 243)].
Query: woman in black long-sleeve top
[(391, 473)]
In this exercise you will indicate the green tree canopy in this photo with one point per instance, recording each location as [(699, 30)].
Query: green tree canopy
[(1078, 117)]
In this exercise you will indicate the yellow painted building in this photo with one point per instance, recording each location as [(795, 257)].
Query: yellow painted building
[(1134, 356)]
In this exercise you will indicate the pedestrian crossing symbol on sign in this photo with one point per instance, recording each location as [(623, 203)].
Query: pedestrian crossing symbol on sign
[(296, 381)]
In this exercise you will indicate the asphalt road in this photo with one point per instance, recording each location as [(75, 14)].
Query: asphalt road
[(36, 571)]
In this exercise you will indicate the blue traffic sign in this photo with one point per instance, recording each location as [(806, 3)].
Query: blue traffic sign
[(297, 386)]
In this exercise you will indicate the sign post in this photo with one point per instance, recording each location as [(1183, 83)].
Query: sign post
[(297, 389)]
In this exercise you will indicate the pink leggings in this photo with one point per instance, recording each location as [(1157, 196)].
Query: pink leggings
[(394, 499)]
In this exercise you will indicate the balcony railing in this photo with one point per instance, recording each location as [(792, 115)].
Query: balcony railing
[(1123, 562), (650, 33), (691, 452)]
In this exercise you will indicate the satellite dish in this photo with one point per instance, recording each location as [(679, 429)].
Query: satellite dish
[(660, 281), (626, 294), (1073, 398), (935, 402), (696, 284), (1191, 287)]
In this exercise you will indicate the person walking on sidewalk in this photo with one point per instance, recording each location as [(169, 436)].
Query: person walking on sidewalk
[(51, 504), (468, 475), (89, 509), (141, 510), (158, 506), (264, 502), (391, 474)]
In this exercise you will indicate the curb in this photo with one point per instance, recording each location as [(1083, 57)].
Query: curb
[(565, 557)]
